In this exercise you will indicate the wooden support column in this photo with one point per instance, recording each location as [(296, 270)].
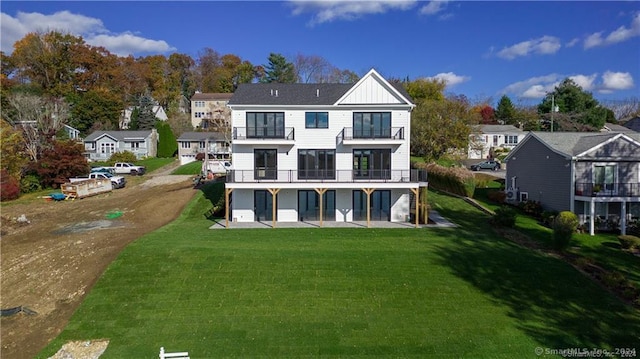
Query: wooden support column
[(368, 191), (321, 192), (227, 193), (416, 192), (274, 205)]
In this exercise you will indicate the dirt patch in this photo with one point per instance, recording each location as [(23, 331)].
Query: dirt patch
[(50, 262), (87, 349)]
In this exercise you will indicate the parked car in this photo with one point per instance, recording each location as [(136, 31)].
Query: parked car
[(486, 165)]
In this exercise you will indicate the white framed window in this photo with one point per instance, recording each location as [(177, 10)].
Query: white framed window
[(605, 177), (198, 104), (185, 144), (108, 147), (135, 145), (511, 140), (495, 139)]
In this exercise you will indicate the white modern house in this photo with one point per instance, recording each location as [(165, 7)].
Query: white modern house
[(322, 152), (485, 138)]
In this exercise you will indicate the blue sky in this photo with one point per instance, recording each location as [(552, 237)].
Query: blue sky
[(481, 49)]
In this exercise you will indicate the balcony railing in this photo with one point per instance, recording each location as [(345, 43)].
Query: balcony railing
[(337, 176), (394, 133), (275, 133), (608, 189), (216, 149)]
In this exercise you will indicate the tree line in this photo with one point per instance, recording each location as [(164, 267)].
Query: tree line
[(53, 79)]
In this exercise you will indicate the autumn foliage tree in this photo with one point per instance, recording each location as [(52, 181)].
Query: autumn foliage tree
[(59, 163)]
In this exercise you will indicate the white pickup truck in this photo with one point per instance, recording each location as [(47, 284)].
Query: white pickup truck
[(122, 168), (116, 181)]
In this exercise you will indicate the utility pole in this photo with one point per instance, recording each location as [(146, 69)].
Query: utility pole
[(554, 108)]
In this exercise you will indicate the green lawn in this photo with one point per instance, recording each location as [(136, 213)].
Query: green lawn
[(602, 248), (193, 168), (420, 293)]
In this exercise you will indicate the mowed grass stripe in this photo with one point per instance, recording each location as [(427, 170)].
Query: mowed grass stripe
[(343, 292)]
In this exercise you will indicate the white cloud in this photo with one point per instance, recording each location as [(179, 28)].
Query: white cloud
[(433, 7), (535, 87), (538, 87), (450, 78), (572, 43), (542, 46), (123, 44), (617, 81), (328, 11), (619, 35), (91, 29)]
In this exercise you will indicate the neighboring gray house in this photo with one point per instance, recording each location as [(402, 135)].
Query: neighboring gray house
[(485, 138), (633, 124), (594, 175), (192, 143), (100, 145)]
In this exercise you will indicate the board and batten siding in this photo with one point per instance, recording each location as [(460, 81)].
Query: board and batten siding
[(545, 175), (371, 92)]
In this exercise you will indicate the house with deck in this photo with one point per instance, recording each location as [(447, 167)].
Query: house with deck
[(215, 144), (486, 139), (100, 145), (209, 110), (322, 152), (592, 174)]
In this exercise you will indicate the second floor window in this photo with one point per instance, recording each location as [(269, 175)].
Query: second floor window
[(265, 124), (108, 147), (604, 177), (266, 164), (372, 164), (185, 144), (372, 125), (316, 120), (316, 164), (135, 145)]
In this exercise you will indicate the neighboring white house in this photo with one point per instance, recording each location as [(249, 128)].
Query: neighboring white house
[(125, 118), (334, 152), (485, 138), (100, 145), (192, 143), (209, 106)]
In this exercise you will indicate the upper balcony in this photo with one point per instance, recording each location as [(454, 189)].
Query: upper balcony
[(262, 135), (337, 176), (607, 189), (389, 135)]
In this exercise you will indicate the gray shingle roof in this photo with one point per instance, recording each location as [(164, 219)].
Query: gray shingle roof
[(118, 135), (295, 94), (201, 136), (211, 96), (498, 128), (574, 143), (633, 124)]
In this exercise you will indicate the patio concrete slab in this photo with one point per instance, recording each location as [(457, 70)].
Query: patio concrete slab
[(435, 217)]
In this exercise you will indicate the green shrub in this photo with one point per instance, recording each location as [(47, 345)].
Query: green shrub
[(564, 225), (30, 183), (455, 180), (167, 144), (532, 208), (629, 242), (497, 196), (124, 156), (505, 217)]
